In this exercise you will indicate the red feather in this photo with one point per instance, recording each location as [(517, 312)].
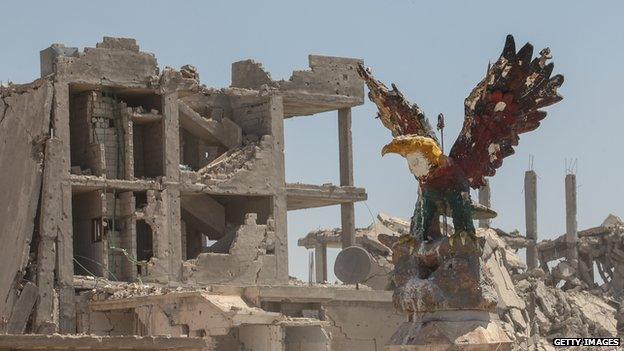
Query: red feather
[(503, 105)]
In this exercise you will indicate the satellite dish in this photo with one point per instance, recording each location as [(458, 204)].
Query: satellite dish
[(353, 265)]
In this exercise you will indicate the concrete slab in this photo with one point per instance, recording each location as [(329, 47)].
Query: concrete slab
[(83, 183), (24, 124), (301, 196), (22, 309)]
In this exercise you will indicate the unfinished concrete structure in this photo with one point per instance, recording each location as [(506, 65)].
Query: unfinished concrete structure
[(148, 205)]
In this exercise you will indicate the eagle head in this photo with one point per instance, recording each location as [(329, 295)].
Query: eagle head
[(422, 153)]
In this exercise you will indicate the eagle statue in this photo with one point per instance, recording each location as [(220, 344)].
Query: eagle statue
[(505, 104)]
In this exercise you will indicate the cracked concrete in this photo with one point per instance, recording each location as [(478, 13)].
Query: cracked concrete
[(26, 120)]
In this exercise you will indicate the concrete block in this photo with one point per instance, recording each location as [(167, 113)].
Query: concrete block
[(22, 309)]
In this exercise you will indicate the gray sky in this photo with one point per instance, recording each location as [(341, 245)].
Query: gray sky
[(435, 51)]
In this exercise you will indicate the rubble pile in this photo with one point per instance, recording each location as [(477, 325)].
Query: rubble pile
[(557, 312), (544, 305), (537, 305), (561, 313), (114, 290), (557, 299), (564, 300)]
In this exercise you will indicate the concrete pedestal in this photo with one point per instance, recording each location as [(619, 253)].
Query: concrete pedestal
[(450, 295), (451, 330)]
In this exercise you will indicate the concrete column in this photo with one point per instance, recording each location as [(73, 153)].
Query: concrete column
[(485, 200), (65, 265), (310, 268), (106, 201), (320, 261), (275, 114), (64, 240), (128, 130), (171, 194), (127, 237), (345, 146), (171, 136), (50, 215), (571, 225), (530, 217)]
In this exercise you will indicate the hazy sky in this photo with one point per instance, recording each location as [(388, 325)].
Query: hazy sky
[(435, 51)]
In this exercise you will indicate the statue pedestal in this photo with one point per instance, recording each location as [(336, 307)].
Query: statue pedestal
[(451, 330), (449, 295)]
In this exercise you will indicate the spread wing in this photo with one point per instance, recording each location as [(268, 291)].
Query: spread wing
[(395, 112), (503, 105)]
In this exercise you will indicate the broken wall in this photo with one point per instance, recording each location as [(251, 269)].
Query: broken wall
[(265, 117), (111, 323), (126, 268), (255, 169), (162, 215), (242, 260), (331, 83), (24, 126), (361, 325), (115, 60)]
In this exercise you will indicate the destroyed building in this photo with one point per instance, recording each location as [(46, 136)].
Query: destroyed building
[(149, 211), (146, 211)]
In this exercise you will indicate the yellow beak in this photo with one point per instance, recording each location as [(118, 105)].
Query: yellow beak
[(406, 144), (388, 148), (401, 146)]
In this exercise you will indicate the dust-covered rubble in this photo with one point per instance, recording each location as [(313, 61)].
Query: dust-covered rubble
[(534, 305)]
